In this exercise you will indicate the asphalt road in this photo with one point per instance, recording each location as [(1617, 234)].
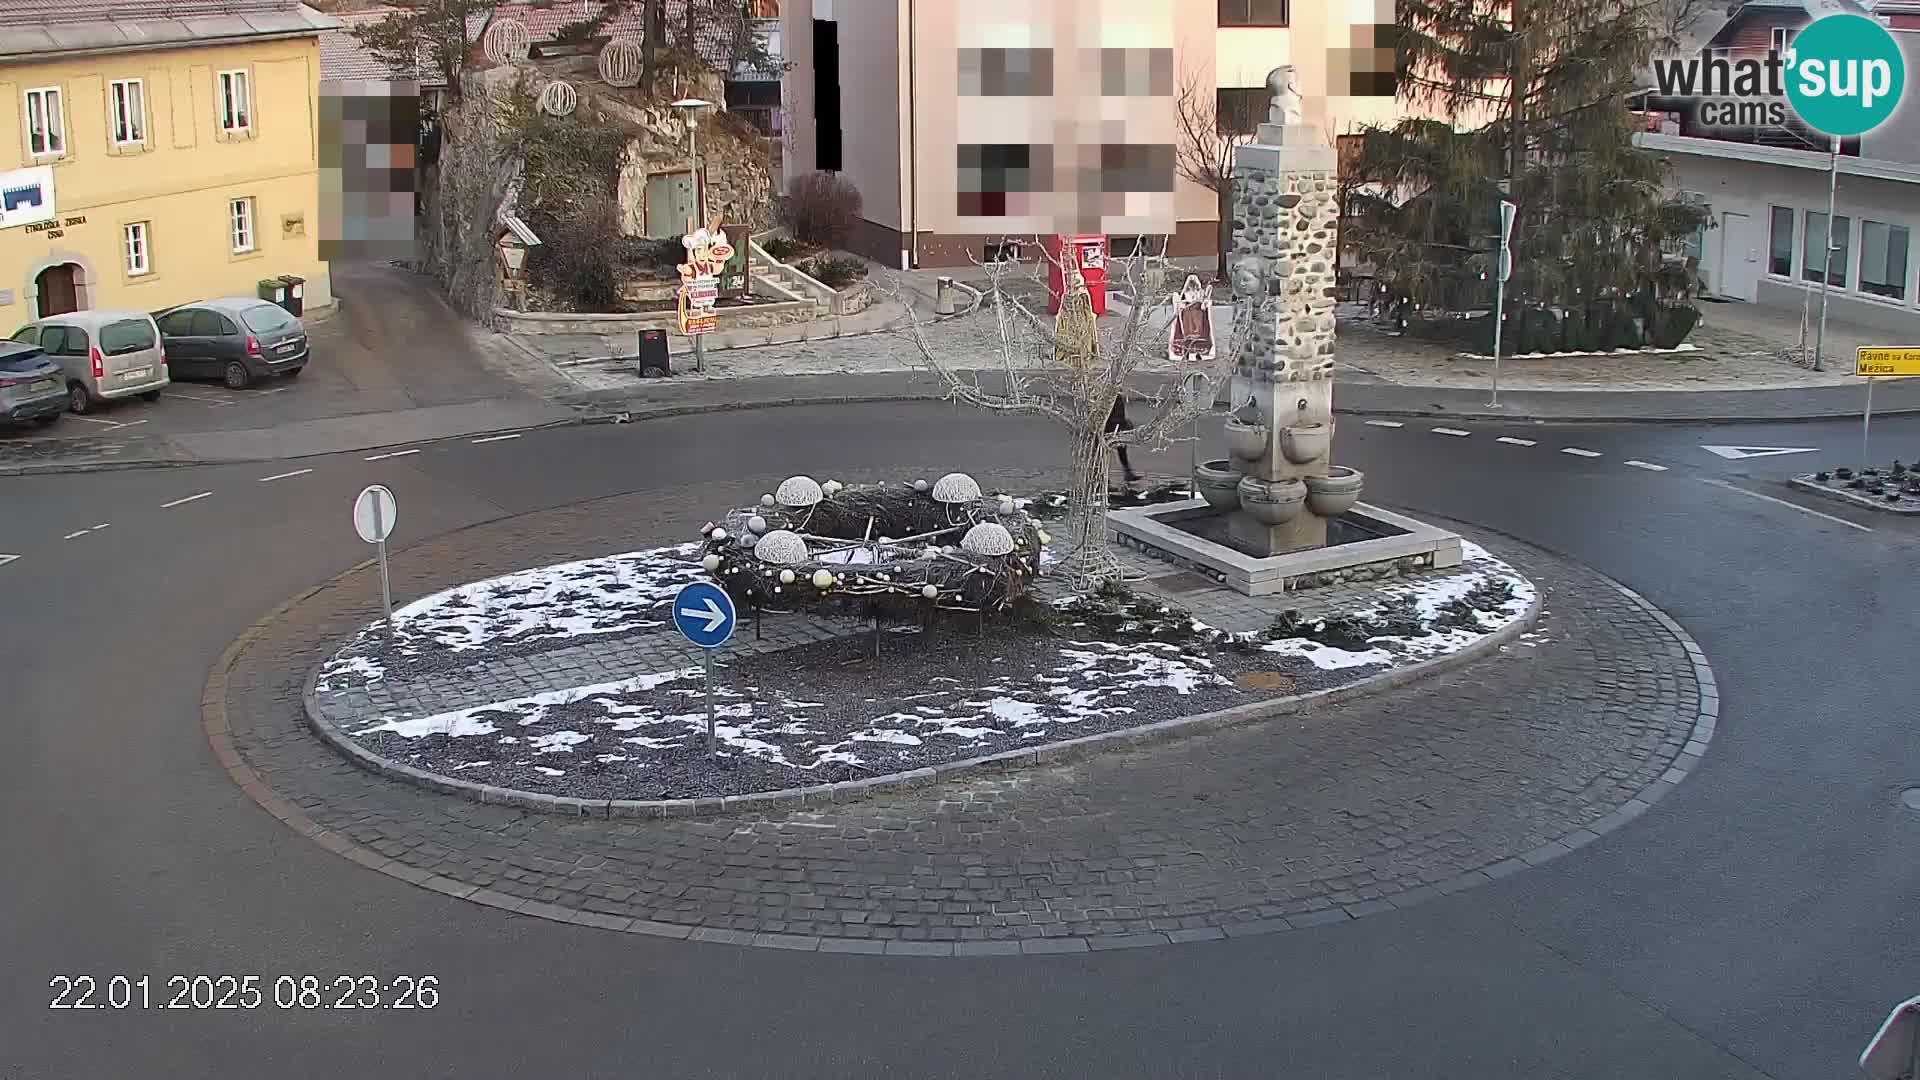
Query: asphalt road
[(1758, 922)]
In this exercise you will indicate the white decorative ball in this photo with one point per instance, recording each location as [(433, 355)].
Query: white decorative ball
[(931, 592), (822, 580), (1006, 505), (781, 548), (956, 488), (988, 538), (717, 534), (921, 485), (832, 487), (786, 577), (757, 524), (798, 492), (711, 562), (1045, 538), (766, 500)]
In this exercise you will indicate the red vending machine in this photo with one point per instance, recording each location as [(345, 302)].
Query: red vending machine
[(1089, 253)]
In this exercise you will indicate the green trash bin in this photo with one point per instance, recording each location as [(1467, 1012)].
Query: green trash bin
[(295, 300), (273, 290)]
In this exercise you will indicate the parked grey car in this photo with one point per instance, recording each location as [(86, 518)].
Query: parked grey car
[(104, 355), (31, 386), (236, 339)]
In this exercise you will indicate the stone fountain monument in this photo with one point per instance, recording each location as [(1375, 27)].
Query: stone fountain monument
[(1292, 518)]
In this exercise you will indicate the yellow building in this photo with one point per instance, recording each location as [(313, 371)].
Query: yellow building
[(153, 154)]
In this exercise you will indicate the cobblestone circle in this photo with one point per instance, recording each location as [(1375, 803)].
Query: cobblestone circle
[(1313, 818)]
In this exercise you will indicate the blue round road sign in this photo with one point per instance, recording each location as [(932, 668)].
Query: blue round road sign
[(704, 614)]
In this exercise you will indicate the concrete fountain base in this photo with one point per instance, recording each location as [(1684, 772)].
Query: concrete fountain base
[(1366, 542)]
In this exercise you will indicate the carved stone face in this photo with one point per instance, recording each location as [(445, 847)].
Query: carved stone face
[(1249, 275)]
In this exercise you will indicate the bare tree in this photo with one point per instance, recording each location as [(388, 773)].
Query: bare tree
[(1070, 369), (1677, 24), (1203, 152), (427, 36)]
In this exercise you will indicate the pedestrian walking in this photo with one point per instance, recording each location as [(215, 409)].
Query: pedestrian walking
[(1117, 421)]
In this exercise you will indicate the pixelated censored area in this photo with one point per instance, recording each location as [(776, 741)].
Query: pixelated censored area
[(1063, 114), (369, 148)]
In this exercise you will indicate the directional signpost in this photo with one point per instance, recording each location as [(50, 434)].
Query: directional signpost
[(1504, 270), (704, 614), (374, 513), (1870, 363)]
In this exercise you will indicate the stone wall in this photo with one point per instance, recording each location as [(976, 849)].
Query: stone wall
[(738, 177), (1284, 226)]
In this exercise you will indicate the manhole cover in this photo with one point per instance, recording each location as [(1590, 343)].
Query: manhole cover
[(1911, 797), (1182, 583), (1265, 680)]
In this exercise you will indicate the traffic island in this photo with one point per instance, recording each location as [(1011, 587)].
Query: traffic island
[(567, 688), (1887, 489)]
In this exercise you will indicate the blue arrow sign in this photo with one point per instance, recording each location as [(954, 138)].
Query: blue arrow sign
[(704, 614)]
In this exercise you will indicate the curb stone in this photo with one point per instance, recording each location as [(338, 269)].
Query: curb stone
[(1053, 753), (1865, 502)]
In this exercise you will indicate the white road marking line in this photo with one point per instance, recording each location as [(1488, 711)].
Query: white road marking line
[(1455, 432), (396, 453), (1647, 465), (188, 499), (199, 397), (5, 559), (103, 525), (504, 438), (133, 423), (1577, 452), (73, 535), (1511, 441), (1741, 453), (284, 475), (96, 420), (1385, 423), (1785, 503)]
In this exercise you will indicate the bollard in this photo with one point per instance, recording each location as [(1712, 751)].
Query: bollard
[(943, 296)]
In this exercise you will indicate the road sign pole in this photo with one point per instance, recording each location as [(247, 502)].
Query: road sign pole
[(706, 661), (1499, 316), (1866, 451), (699, 353)]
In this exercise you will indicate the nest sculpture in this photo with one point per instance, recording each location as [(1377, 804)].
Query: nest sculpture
[(890, 550)]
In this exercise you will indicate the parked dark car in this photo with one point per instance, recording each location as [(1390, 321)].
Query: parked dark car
[(236, 339), (31, 384)]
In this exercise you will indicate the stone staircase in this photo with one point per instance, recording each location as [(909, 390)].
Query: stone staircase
[(788, 282)]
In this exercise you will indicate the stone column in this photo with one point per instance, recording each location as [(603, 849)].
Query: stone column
[(1285, 215)]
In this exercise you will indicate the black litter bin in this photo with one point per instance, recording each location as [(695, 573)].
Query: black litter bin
[(295, 300), (653, 353)]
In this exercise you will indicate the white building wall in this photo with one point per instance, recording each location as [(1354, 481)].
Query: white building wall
[(1754, 188)]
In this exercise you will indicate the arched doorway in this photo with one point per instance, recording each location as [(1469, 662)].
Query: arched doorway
[(60, 288)]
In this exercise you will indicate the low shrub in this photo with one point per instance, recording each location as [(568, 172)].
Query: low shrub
[(782, 248), (835, 271), (579, 258), (821, 209), (649, 253)]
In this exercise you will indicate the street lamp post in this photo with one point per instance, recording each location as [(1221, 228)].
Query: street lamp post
[(691, 107)]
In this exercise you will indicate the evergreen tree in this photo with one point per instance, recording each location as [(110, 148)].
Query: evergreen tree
[(1531, 96)]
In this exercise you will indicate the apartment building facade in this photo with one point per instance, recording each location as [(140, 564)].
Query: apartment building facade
[(951, 119), (156, 153)]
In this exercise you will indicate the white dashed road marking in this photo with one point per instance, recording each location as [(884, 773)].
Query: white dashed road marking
[(1385, 423), (502, 438), (284, 475), (1647, 465), (1577, 452), (1511, 441), (188, 499), (97, 420), (5, 559), (395, 454), (72, 535), (1455, 432), (1785, 503)]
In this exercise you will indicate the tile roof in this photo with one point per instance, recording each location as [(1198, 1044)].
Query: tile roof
[(343, 57), (40, 13), (37, 30)]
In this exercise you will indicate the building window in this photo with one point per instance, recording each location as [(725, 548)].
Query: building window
[(240, 214), (236, 103), (1813, 258), (1780, 242), (127, 101), (1883, 259), (1006, 72), (46, 123), (1253, 13), (1239, 110), (1779, 40), (139, 259)]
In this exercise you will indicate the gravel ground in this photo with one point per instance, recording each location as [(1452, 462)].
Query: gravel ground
[(831, 711)]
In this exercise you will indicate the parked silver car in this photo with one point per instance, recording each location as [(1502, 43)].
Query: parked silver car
[(31, 386), (105, 355)]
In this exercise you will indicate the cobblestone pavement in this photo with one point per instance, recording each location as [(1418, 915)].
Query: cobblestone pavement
[(1318, 817)]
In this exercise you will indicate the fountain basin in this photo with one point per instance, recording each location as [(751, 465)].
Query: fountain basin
[(1304, 444), (1219, 483), (1248, 442), (1272, 502), (1335, 493)]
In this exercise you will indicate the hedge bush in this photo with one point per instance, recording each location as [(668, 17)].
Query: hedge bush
[(821, 209)]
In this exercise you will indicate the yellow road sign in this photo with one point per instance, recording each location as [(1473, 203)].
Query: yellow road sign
[(1887, 360)]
